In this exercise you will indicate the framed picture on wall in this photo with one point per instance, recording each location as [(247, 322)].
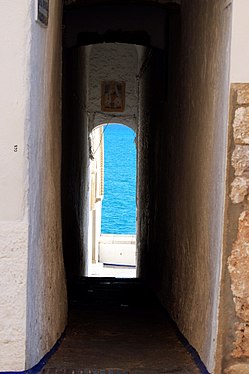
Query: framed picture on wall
[(112, 96)]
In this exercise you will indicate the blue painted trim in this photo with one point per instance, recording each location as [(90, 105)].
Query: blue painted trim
[(192, 352), (38, 367), (188, 346), (117, 265)]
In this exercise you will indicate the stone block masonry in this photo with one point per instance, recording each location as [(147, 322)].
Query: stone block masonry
[(238, 261)]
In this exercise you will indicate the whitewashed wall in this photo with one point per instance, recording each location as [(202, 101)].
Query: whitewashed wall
[(14, 100), (32, 282), (46, 288), (118, 62)]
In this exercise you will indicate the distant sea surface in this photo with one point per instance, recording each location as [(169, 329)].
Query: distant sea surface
[(119, 203)]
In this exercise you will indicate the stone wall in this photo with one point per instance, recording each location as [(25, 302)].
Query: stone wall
[(236, 322)]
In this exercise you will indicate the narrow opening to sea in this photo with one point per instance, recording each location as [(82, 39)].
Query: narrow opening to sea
[(113, 213)]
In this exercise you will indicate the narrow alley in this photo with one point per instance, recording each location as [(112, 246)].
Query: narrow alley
[(118, 324), (175, 72)]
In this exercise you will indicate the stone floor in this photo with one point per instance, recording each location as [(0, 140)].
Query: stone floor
[(130, 335)]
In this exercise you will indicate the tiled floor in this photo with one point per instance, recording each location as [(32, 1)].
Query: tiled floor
[(120, 337)]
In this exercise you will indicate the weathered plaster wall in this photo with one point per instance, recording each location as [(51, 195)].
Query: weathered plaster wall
[(187, 174), (118, 62), (200, 183), (204, 116), (46, 291), (75, 163), (15, 47)]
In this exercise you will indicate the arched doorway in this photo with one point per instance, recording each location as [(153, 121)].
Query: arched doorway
[(112, 203)]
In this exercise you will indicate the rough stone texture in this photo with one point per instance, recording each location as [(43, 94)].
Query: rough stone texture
[(241, 307), (239, 260), (238, 265), (239, 189), (242, 93), (241, 124), (237, 369), (241, 344), (13, 283), (240, 163), (234, 321), (240, 159)]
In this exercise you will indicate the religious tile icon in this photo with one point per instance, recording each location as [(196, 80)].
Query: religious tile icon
[(112, 96)]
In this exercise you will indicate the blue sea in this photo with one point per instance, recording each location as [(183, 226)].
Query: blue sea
[(119, 203)]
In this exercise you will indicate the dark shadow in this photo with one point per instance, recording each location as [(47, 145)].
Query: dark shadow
[(111, 36)]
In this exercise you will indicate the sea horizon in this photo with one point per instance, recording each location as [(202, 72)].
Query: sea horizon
[(119, 203)]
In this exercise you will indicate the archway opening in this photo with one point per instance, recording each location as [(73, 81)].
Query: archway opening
[(112, 202)]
